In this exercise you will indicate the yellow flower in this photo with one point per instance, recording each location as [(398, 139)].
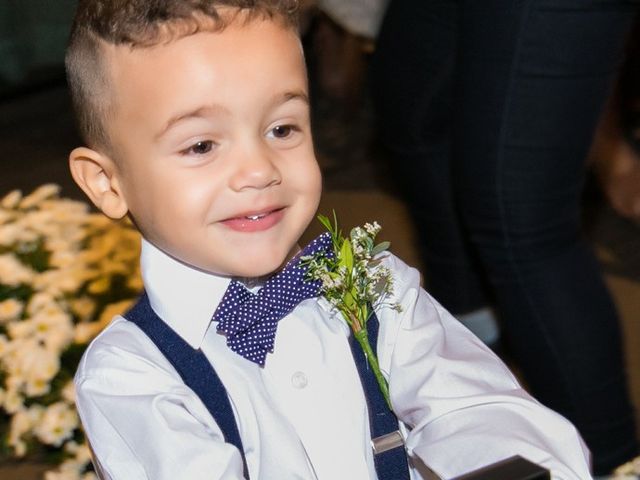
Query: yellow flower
[(134, 282), (99, 285), (83, 307)]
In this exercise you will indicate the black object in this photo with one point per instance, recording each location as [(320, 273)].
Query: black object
[(512, 468)]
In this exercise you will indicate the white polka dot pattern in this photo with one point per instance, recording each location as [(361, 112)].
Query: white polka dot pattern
[(249, 320)]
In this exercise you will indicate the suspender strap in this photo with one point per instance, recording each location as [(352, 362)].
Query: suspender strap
[(193, 367), (390, 464), (201, 377)]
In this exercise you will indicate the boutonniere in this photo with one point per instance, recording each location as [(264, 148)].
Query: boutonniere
[(355, 282)]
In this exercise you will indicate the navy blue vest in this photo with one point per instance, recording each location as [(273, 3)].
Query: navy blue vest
[(200, 376)]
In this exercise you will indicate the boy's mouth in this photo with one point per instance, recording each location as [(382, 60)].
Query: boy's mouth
[(254, 222), (256, 217)]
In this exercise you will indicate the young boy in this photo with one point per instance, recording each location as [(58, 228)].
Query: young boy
[(196, 117)]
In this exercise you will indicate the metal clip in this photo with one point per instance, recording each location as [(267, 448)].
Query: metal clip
[(387, 442)]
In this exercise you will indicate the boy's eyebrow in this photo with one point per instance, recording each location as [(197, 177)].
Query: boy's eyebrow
[(199, 112), (294, 95), (207, 110)]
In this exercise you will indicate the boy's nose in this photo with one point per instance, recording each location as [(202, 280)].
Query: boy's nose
[(255, 169)]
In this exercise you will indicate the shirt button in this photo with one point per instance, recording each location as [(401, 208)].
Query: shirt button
[(299, 380)]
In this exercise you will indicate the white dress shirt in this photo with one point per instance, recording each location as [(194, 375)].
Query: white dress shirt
[(304, 416)]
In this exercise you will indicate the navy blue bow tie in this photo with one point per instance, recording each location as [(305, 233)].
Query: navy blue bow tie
[(249, 320)]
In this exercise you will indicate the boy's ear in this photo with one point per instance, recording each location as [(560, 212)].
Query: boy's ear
[(96, 175)]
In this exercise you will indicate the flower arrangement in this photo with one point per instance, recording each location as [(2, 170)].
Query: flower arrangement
[(355, 282), (64, 273)]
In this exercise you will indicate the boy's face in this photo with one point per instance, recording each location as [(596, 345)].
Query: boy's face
[(214, 151)]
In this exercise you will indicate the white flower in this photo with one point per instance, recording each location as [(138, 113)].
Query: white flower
[(28, 362), (74, 466), (12, 401), (10, 309), (357, 233), (6, 216), (67, 257), (38, 195), (69, 393), (11, 200), (372, 230), (13, 272), (57, 424), (39, 301), (62, 258), (84, 332), (36, 387), (50, 326), (4, 343), (358, 249), (22, 422), (65, 472), (10, 234), (80, 451), (64, 281)]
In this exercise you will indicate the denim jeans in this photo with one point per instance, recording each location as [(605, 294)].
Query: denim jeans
[(488, 108)]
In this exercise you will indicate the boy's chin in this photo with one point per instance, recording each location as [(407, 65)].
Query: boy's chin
[(266, 268)]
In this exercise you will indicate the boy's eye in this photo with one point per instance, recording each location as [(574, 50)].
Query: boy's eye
[(282, 131), (200, 148)]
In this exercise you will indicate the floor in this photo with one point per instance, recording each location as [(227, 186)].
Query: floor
[(37, 132)]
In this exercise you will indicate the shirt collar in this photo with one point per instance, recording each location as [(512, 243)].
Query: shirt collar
[(184, 297)]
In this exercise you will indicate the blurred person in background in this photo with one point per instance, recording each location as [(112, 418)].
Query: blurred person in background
[(488, 110)]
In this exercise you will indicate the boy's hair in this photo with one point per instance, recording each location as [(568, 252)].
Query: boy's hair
[(140, 24)]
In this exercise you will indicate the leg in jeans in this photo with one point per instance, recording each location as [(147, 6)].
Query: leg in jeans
[(532, 79), (412, 80)]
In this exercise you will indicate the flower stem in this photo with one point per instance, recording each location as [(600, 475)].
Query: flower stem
[(363, 340)]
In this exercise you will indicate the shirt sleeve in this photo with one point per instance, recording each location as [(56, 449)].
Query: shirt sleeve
[(142, 421), (462, 406)]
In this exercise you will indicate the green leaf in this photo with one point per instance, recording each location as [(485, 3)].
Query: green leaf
[(337, 233), (381, 247), (324, 220), (346, 256), (369, 242), (349, 299)]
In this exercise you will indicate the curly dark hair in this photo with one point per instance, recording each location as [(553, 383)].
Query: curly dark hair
[(140, 24)]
